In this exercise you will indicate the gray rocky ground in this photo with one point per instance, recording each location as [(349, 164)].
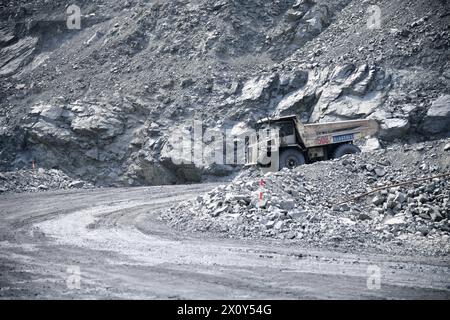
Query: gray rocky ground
[(108, 243), (310, 205), (38, 180)]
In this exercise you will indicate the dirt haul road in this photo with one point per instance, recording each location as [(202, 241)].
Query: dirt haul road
[(109, 243)]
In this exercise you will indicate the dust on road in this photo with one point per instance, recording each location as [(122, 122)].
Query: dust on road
[(113, 243)]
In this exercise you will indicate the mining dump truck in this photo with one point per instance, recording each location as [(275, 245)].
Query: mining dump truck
[(297, 143)]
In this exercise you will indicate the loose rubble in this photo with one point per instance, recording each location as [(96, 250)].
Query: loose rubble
[(302, 204), (38, 180)]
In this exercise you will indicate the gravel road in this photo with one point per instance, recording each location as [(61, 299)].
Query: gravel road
[(109, 243)]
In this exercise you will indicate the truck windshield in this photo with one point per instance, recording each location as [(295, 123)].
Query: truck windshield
[(286, 129)]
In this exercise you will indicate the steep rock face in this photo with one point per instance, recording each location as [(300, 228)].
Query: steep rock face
[(17, 55), (345, 92), (102, 102), (352, 92)]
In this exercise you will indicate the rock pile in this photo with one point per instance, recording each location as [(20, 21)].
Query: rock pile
[(314, 203), (38, 180)]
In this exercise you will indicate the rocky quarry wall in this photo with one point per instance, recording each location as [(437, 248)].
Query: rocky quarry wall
[(100, 103)]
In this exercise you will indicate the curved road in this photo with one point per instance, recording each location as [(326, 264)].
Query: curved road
[(109, 243)]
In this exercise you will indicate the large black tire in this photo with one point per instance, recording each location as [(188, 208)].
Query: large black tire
[(291, 158), (345, 149)]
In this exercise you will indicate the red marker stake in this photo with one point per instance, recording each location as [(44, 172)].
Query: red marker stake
[(261, 185), (32, 164)]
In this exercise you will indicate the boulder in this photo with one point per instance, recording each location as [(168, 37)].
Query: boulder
[(393, 128), (447, 147), (380, 171), (364, 216), (270, 224), (219, 211), (287, 204), (76, 184), (258, 88), (437, 119), (400, 219), (400, 197), (296, 214), (278, 225), (378, 200), (371, 144)]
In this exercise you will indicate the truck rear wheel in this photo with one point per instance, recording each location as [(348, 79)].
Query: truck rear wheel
[(291, 158), (345, 149)]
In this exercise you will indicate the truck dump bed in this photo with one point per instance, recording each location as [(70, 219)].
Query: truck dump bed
[(319, 134)]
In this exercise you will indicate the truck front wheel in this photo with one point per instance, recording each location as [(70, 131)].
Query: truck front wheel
[(291, 158), (345, 149)]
